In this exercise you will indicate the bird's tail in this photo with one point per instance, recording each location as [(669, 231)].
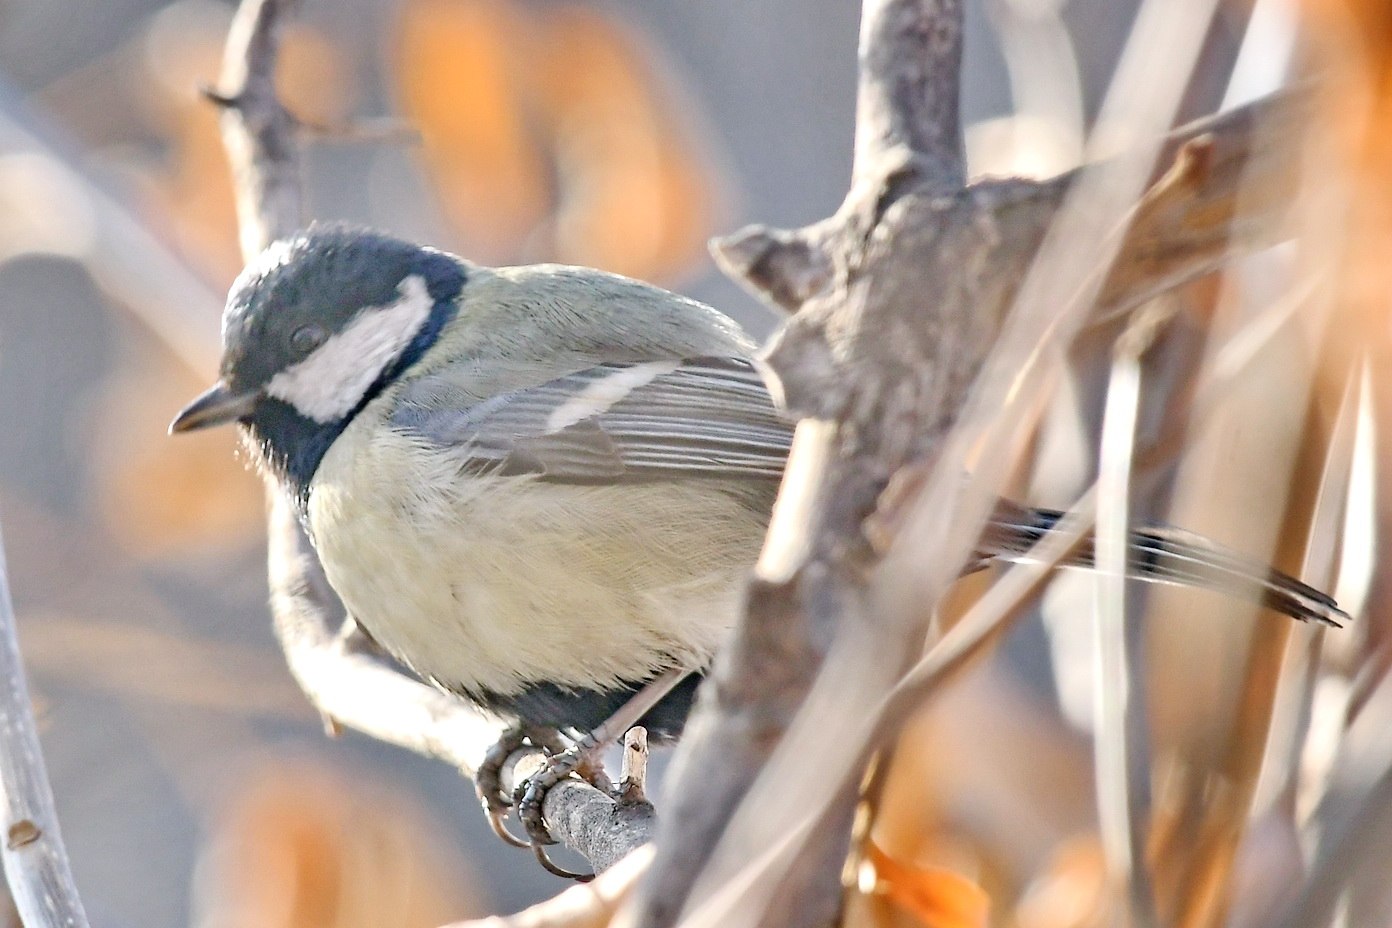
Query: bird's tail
[(1167, 555)]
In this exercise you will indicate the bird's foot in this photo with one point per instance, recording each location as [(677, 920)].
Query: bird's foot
[(488, 780), (584, 758)]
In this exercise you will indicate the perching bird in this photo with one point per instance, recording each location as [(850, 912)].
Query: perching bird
[(541, 487)]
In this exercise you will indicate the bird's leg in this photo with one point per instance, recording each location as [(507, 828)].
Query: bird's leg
[(586, 753), (488, 779)]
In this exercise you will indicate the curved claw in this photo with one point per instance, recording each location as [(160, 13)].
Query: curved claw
[(529, 799), (495, 822), (551, 866), (488, 783), (530, 795)]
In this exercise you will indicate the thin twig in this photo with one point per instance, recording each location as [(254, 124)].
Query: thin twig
[(257, 131), (584, 819), (590, 905), (633, 774), (36, 863), (1121, 760)]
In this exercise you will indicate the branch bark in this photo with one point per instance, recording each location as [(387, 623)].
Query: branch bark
[(909, 92), (898, 300), (36, 863), (591, 905), (354, 688)]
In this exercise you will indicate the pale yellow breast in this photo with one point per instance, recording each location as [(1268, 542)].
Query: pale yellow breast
[(495, 582)]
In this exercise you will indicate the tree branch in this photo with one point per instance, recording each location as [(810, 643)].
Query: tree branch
[(351, 688), (257, 131), (36, 863), (588, 906), (899, 298), (809, 582), (1229, 190), (907, 103)]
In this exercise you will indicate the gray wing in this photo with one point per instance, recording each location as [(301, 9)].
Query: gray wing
[(699, 417)]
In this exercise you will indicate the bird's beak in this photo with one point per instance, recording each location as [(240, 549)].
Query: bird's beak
[(216, 406)]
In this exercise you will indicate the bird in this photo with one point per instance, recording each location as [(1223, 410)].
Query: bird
[(541, 488)]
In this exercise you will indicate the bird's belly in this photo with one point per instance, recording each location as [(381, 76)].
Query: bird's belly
[(492, 583)]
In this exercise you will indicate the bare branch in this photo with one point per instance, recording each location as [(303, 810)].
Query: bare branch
[(257, 131), (1229, 191), (585, 819), (36, 863), (899, 298), (1120, 754), (907, 115), (786, 268), (589, 906), (1187, 225)]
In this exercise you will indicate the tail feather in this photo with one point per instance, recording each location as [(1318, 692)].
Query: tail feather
[(1168, 555)]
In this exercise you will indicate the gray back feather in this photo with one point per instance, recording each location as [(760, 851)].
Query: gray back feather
[(706, 417), (525, 344)]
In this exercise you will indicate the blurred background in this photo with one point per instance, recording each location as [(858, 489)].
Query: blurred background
[(194, 783)]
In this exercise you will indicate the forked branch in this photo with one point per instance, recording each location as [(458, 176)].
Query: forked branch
[(898, 300)]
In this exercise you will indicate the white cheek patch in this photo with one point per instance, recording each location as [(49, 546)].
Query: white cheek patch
[(605, 392), (333, 379)]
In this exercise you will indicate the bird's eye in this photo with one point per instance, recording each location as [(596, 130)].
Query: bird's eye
[(306, 338)]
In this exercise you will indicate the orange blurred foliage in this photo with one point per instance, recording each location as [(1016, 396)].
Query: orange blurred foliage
[(547, 138), (545, 133), (457, 75), (1070, 891), (159, 498), (194, 191), (1354, 38), (302, 848), (934, 896)]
